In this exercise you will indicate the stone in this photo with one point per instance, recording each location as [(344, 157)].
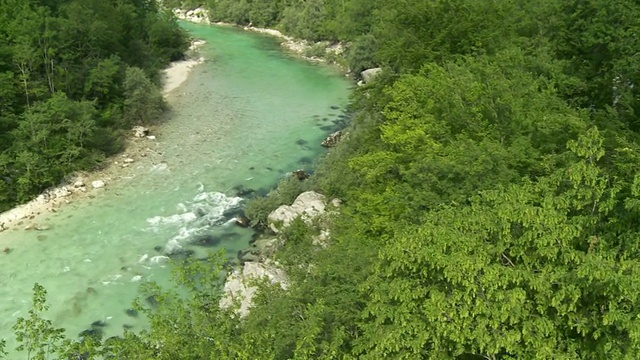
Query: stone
[(370, 74), (198, 15), (151, 137), (248, 255), (307, 205), (243, 221), (140, 131), (240, 285), (322, 239), (98, 184), (60, 192), (128, 160), (78, 184), (300, 174), (332, 140)]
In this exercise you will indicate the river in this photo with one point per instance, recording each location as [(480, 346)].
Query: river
[(247, 116)]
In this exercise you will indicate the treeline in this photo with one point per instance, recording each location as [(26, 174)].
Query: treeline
[(73, 75), (491, 193)]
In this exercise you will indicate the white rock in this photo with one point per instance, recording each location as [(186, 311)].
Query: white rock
[(60, 192), (239, 285), (78, 184), (140, 131), (98, 184), (198, 16), (128, 160), (151, 137), (370, 74), (307, 205)]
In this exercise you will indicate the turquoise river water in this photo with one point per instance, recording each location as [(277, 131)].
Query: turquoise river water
[(247, 116)]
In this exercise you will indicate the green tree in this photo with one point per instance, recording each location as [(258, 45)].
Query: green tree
[(526, 271), (143, 101), (36, 335)]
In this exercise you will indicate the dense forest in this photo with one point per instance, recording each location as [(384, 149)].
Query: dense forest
[(73, 76), (491, 186)]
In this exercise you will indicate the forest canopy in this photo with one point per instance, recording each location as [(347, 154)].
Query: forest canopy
[(65, 67), (490, 182)]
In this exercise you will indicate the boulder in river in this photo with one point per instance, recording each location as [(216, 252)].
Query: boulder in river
[(243, 221), (308, 205)]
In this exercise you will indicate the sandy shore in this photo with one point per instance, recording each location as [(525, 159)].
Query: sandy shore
[(116, 167), (178, 72)]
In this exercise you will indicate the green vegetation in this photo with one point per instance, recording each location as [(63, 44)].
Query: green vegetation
[(74, 75), (490, 182)]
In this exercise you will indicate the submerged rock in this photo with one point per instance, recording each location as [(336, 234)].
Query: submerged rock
[(98, 323), (94, 332), (206, 241)]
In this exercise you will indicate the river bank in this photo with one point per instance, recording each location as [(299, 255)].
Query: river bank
[(89, 184), (323, 51)]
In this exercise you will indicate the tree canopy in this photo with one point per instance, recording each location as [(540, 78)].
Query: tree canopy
[(71, 77)]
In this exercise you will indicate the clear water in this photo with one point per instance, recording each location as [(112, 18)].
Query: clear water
[(247, 116)]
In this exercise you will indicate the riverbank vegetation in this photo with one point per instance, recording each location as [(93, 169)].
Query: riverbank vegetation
[(491, 194), (74, 75)]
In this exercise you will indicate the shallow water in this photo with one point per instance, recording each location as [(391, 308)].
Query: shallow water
[(247, 116)]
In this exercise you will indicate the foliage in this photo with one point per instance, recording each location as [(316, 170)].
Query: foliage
[(490, 181), (63, 85), (36, 335), (143, 101)]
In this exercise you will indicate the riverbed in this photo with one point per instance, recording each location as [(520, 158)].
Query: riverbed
[(245, 117)]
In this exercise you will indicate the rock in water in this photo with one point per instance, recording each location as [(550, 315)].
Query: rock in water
[(300, 174), (94, 332), (243, 221), (98, 323), (206, 241)]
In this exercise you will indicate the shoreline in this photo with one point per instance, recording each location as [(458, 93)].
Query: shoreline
[(81, 184), (299, 47)]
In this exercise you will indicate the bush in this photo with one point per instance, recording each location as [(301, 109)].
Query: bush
[(362, 53)]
